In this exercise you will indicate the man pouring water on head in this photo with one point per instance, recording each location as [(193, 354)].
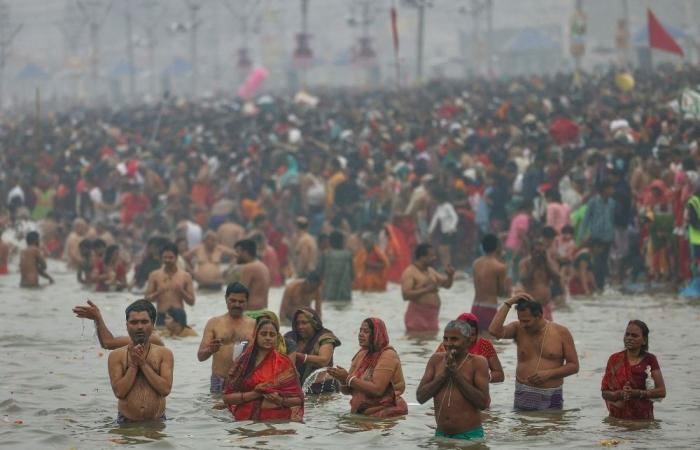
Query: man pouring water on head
[(546, 354)]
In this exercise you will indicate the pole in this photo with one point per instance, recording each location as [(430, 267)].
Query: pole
[(152, 61), (489, 36), (7, 35), (94, 58), (194, 9), (419, 50), (37, 123), (130, 51), (304, 32)]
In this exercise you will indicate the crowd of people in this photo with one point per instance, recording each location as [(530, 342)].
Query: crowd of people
[(588, 185), (263, 375)]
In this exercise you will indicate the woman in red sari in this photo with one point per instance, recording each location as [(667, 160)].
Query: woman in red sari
[(624, 384), (263, 383), (375, 379)]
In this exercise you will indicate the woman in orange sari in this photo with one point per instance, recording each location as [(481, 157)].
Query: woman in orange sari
[(263, 383), (370, 266), (375, 379), (624, 385)]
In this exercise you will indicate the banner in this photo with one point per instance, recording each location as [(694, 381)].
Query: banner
[(690, 104)]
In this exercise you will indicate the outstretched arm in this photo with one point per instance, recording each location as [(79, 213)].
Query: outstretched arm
[(107, 340)]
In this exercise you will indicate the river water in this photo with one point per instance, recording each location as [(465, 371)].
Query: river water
[(55, 391)]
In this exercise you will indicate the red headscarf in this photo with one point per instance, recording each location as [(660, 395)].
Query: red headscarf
[(379, 341), (276, 372)]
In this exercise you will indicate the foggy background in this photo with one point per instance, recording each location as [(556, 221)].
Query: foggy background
[(193, 47)]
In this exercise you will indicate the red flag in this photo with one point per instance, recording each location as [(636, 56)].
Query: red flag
[(659, 37), (394, 30)]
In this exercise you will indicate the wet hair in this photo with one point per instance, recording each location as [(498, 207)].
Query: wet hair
[(489, 243), (111, 250), (553, 194), (98, 243), (337, 240), (85, 246), (169, 247), (313, 278), (421, 250), (549, 232), (259, 219), (462, 326), (237, 288), (179, 315), (531, 305), (645, 333), (142, 305), (248, 246), (32, 238), (322, 239), (567, 229), (370, 341)]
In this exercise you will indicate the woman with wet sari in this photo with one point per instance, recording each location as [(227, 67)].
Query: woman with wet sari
[(263, 384), (314, 346), (375, 379), (633, 377)]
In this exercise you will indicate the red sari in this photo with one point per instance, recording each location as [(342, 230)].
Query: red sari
[(276, 372), (390, 403), (619, 372)]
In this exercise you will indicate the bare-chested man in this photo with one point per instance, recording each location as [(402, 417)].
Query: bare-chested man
[(107, 340), (419, 286), (300, 293), (222, 333), (31, 263), (141, 373), (490, 281), (305, 255), (537, 274), (169, 286), (230, 232), (459, 384), (546, 354), (80, 231), (251, 273), (207, 259)]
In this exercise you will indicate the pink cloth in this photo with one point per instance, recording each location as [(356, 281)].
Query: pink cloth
[(420, 318), (558, 216), (518, 226)]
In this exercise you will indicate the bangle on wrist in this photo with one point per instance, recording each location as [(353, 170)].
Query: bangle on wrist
[(305, 356)]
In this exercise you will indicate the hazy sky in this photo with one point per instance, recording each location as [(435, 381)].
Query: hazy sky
[(48, 26)]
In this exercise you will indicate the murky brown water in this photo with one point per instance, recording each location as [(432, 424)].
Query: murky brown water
[(54, 379)]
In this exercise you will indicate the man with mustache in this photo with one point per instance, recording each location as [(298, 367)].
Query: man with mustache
[(141, 373), (546, 354), (222, 333), (459, 384)]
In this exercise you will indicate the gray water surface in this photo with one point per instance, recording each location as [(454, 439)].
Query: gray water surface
[(55, 381)]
